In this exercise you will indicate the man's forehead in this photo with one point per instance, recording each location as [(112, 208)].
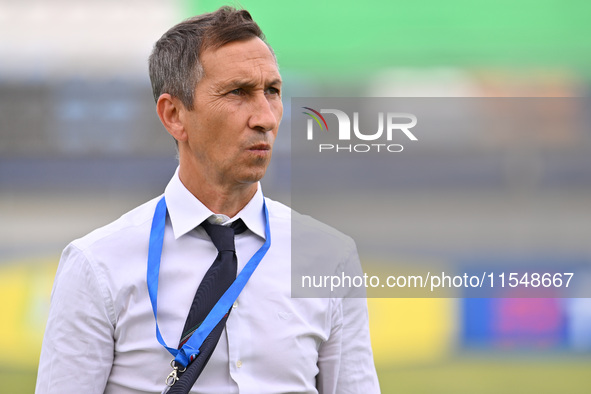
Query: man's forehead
[(247, 53)]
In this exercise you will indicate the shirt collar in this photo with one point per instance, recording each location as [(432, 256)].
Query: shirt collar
[(186, 212)]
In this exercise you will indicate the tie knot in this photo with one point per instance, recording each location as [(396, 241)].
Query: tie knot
[(223, 236)]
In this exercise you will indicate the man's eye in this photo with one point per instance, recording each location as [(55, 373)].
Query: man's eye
[(273, 91), (236, 92)]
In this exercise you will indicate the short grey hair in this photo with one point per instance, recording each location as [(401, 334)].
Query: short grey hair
[(174, 64)]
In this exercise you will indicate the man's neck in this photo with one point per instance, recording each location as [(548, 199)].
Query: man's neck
[(220, 199)]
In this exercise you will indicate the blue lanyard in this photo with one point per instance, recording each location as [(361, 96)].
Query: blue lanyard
[(190, 349)]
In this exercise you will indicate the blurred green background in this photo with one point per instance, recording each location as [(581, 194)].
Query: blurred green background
[(80, 144)]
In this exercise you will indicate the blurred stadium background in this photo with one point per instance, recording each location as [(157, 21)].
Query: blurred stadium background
[(80, 144)]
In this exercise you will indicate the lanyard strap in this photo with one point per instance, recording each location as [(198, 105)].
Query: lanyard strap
[(190, 349)]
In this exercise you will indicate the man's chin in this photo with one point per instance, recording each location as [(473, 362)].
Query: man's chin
[(252, 176)]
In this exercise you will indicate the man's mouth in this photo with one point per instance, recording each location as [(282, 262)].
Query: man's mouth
[(260, 147)]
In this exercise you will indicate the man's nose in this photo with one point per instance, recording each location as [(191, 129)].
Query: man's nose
[(263, 117)]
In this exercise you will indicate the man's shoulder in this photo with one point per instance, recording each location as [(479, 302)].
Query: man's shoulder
[(305, 226), (317, 250), (138, 220)]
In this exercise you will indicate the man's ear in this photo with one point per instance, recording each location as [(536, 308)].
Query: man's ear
[(171, 112)]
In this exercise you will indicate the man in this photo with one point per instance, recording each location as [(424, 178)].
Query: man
[(218, 93)]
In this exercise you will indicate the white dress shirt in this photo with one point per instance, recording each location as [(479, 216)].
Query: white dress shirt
[(101, 333)]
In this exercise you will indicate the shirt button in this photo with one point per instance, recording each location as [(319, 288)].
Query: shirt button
[(239, 364), (235, 305)]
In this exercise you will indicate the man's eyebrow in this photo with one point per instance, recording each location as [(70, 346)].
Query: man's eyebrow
[(248, 84), (276, 81), (239, 83)]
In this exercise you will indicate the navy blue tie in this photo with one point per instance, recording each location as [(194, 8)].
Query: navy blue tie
[(216, 281)]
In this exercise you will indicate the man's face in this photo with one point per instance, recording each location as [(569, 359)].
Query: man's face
[(237, 110)]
